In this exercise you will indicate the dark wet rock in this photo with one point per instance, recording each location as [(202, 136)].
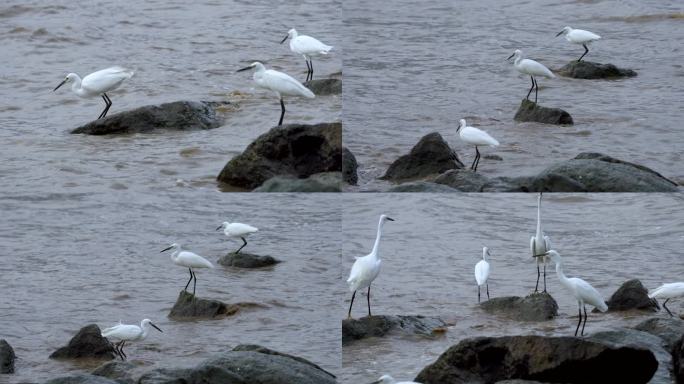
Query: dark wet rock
[(81, 379), (319, 182), (464, 180), (7, 357), (534, 307), (349, 167), (631, 295), (519, 381), (544, 182), (168, 376), (119, 371), (423, 186), (175, 116), (591, 70), (88, 343), (545, 359), (430, 157), (492, 156), (190, 307), (246, 260), (324, 87), (378, 326), (531, 111), (678, 358), (268, 351), (297, 150), (670, 329)]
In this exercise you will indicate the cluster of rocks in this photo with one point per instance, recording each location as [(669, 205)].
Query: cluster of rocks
[(378, 326)]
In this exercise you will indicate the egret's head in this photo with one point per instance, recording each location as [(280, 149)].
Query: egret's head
[(291, 34), (515, 54), (223, 225), (69, 78), (172, 246), (384, 218), (148, 321), (461, 124), (485, 252), (553, 255), (255, 64), (565, 31), (385, 379)]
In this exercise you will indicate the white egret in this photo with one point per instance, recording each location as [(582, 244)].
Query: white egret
[(128, 332), (280, 83), (583, 291), (482, 272), (366, 268), (476, 137), (667, 292), (579, 36), (308, 47), (531, 68), (387, 379), (97, 84), (237, 231), (189, 260), (539, 245)]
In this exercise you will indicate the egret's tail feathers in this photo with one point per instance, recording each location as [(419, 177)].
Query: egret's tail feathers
[(603, 307), (307, 93), (654, 293)]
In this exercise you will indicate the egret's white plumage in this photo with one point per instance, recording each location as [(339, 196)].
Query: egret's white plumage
[(189, 260), (476, 137), (306, 46), (539, 245), (579, 36), (128, 332), (237, 231), (667, 291), (482, 272), (97, 84), (584, 293), (387, 379), (280, 83), (366, 268), (531, 68)]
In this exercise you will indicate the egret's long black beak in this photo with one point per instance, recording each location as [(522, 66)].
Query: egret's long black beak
[(60, 84), (510, 57), (165, 249), (244, 69), (390, 219), (284, 39), (219, 227), (560, 33), (157, 328)]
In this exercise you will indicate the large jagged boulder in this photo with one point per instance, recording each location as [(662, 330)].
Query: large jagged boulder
[(320, 182), (545, 359), (190, 307), (7, 357), (175, 116), (429, 157), (670, 329), (631, 295), (88, 343), (533, 307), (247, 260), (349, 167), (119, 371), (325, 87), (591, 70), (678, 358), (424, 187), (81, 378), (531, 111), (297, 150), (464, 180), (378, 326)]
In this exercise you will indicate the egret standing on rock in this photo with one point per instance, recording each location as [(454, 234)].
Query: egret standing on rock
[(280, 83), (237, 231), (531, 68), (539, 245), (126, 332), (306, 46), (583, 291), (387, 379), (667, 292), (579, 36), (476, 137), (97, 84), (366, 268), (189, 260), (482, 272)]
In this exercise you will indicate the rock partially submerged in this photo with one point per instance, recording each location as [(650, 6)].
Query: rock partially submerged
[(190, 307), (465, 180), (175, 116), (533, 307), (378, 326), (349, 167), (591, 70), (319, 182), (7, 357), (297, 150), (82, 379), (631, 295), (545, 359), (88, 343), (531, 111), (670, 329), (246, 260), (429, 157), (424, 187), (325, 87), (119, 371)]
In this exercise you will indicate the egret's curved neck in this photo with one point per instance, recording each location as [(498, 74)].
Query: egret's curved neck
[(539, 227), (259, 68), (484, 255), (145, 329), (294, 35), (517, 59), (561, 276), (76, 86), (374, 252)]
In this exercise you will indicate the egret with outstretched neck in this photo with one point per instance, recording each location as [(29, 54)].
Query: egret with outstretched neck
[(308, 47), (482, 272), (667, 292), (539, 245), (579, 36), (531, 68), (280, 83), (237, 231), (476, 137), (190, 260), (387, 379), (366, 268), (97, 84), (128, 332)]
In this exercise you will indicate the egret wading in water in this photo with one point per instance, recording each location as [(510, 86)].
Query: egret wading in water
[(476, 137), (189, 260), (387, 379), (366, 268), (583, 291), (280, 83), (531, 68), (539, 245), (97, 84), (667, 292), (237, 231), (308, 47), (579, 36), (482, 272), (126, 332)]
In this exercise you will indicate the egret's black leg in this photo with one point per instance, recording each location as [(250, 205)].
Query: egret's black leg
[(580, 321), (544, 277), (530, 91), (478, 293), (194, 283), (667, 309), (282, 113), (308, 70), (472, 166), (189, 280), (536, 89), (368, 299), (106, 105), (311, 65), (116, 349), (109, 104), (487, 291), (350, 305), (477, 158), (585, 319), (536, 286), (123, 342), (243, 245), (586, 50)]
